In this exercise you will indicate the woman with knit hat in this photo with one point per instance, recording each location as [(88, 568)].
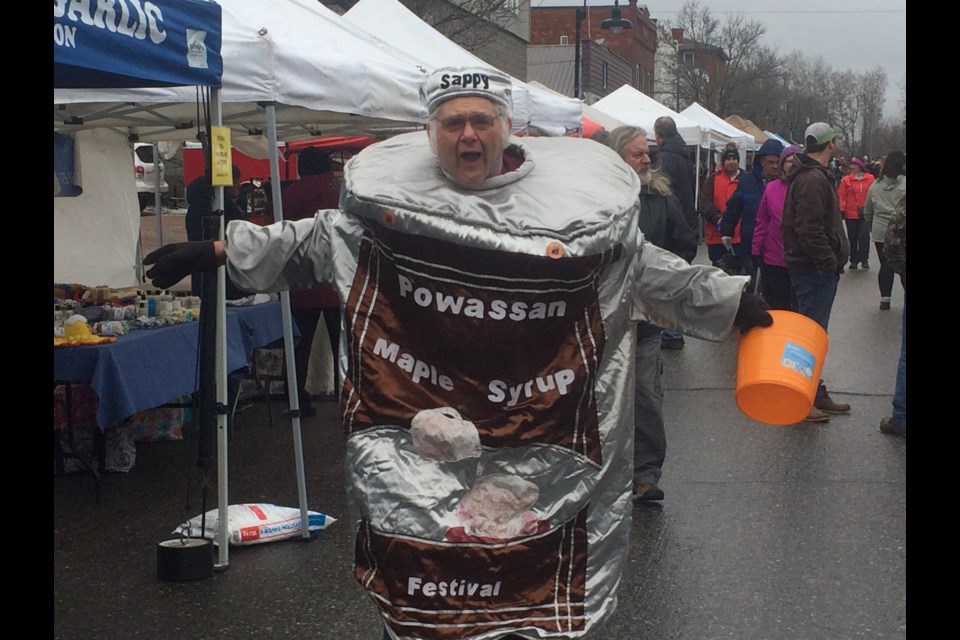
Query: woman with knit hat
[(853, 194), (767, 248)]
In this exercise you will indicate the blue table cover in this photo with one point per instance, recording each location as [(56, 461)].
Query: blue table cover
[(150, 367)]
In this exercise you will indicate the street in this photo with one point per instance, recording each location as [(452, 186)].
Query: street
[(766, 532)]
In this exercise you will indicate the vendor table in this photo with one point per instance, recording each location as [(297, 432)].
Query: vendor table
[(150, 367)]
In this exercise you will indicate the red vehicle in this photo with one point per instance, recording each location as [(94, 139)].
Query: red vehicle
[(258, 169)]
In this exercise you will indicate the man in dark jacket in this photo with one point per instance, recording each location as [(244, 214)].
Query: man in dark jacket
[(662, 223), (743, 204), (673, 160), (815, 246), (200, 205)]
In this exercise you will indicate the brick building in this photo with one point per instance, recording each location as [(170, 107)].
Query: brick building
[(636, 47), (688, 71)]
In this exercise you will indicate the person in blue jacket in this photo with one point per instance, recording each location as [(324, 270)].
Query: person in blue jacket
[(743, 204)]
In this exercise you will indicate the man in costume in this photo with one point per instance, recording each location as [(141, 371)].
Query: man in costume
[(491, 290)]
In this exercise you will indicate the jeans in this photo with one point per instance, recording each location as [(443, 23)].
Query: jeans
[(900, 391), (649, 437), (815, 293)]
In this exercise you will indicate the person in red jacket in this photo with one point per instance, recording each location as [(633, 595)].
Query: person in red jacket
[(315, 190), (853, 193), (713, 200)]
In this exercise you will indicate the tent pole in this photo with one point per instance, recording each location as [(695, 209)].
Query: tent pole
[(156, 193), (293, 387), (696, 193), (223, 511)]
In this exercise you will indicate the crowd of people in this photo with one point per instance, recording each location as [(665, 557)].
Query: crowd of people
[(458, 424)]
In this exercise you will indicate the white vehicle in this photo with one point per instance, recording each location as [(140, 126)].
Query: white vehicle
[(145, 172)]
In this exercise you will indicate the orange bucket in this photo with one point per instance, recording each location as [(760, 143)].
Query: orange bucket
[(778, 368)]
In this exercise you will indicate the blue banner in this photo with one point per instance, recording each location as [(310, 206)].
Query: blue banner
[(136, 43)]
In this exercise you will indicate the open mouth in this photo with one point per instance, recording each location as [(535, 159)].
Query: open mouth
[(470, 156)]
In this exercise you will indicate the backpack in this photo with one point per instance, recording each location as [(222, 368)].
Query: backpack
[(895, 242)]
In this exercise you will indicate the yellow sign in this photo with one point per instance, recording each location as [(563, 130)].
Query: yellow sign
[(220, 157)]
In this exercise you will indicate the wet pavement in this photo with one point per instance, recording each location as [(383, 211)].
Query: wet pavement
[(783, 533)]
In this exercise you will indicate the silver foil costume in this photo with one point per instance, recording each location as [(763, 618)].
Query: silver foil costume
[(487, 360)]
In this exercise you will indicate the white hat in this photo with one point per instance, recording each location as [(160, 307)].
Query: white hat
[(453, 82), (821, 133)]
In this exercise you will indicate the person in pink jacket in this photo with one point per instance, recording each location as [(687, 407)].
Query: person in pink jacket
[(852, 195), (767, 249)]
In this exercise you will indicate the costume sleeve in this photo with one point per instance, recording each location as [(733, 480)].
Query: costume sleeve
[(731, 215), (763, 223), (284, 255), (698, 300)]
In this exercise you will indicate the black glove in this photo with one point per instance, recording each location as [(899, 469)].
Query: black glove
[(752, 312), (174, 262), (757, 261)]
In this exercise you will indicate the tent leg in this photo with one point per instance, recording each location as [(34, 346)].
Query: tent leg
[(288, 347), (223, 546)]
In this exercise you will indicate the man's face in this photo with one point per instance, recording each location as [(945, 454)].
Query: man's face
[(637, 154), (468, 137), (770, 165), (731, 164)]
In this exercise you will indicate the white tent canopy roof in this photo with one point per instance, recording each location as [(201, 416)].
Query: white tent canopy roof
[(635, 108), (720, 130), (323, 77), (393, 24)]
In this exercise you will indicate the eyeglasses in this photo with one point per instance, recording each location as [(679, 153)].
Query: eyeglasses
[(478, 121)]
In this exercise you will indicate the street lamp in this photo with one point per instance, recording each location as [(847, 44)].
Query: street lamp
[(615, 24)]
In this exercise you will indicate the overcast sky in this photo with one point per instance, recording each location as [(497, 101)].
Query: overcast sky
[(855, 35)]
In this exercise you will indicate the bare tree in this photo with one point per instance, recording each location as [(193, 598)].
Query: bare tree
[(902, 101), (890, 134), (749, 62), (873, 89), (846, 110)]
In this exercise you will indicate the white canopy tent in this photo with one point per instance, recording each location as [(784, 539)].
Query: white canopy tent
[(719, 130), (635, 108), (273, 65), (608, 122), (589, 113), (392, 24), (321, 76)]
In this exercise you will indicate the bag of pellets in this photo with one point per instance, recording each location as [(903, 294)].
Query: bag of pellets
[(254, 524)]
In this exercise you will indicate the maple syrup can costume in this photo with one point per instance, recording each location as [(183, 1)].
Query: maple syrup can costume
[(487, 376)]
